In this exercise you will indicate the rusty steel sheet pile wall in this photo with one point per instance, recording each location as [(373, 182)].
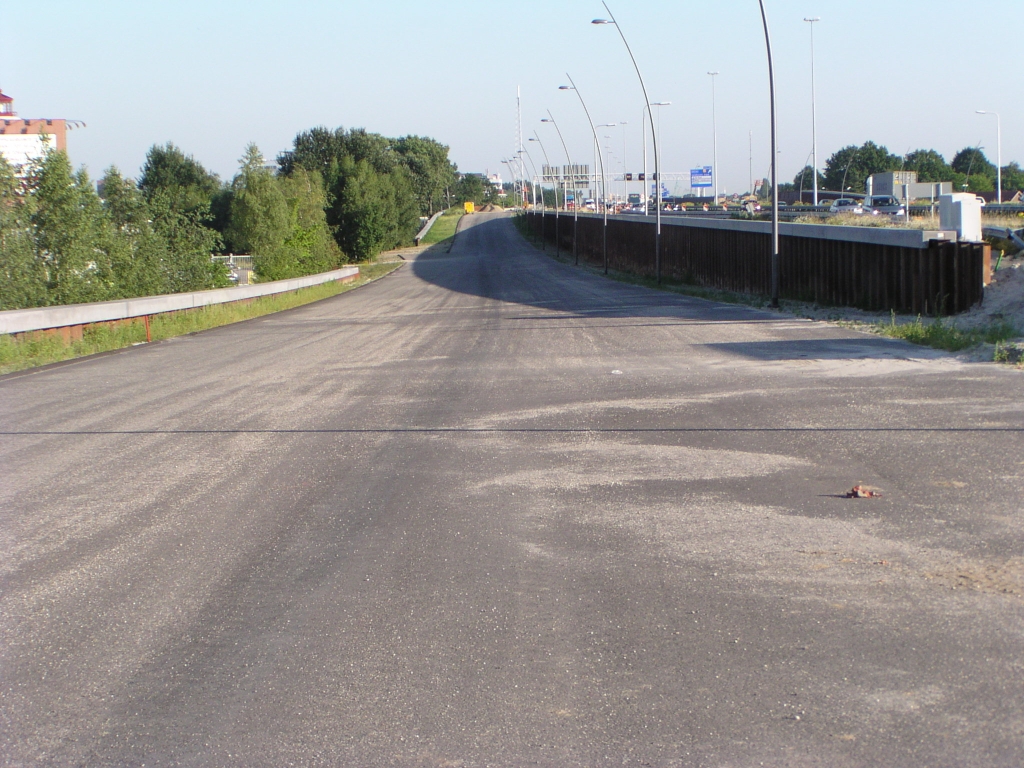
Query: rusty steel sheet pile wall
[(937, 278)]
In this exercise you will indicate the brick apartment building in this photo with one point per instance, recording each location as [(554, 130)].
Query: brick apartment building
[(24, 140)]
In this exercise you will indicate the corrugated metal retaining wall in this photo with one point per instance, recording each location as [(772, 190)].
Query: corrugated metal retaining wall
[(935, 277)]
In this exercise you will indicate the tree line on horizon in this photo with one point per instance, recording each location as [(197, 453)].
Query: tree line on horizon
[(338, 196), (848, 169)]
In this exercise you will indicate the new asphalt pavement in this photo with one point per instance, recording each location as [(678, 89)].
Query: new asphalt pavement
[(495, 510)]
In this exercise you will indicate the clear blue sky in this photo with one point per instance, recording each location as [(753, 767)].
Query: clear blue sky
[(212, 76)]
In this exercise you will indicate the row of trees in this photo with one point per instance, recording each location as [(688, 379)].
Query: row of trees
[(337, 196), (849, 168), (60, 243)]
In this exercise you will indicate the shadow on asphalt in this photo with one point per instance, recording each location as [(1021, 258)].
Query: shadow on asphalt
[(815, 349), (491, 260)]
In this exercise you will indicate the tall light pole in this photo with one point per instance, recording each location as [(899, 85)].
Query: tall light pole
[(605, 180), (547, 164), (543, 201), (643, 136), (814, 122), (625, 189), (775, 161), (999, 154), (654, 134), (600, 157), (533, 179), (714, 136), (551, 119)]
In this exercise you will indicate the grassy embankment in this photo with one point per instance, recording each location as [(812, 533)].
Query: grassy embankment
[(940, 333), (33, 350), (444, 227)]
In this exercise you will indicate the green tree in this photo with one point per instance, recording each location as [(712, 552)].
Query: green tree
[(374, 210), (184, 182), (22, 272), (929, 165), (472, 188), (260, 221), (977, 172), (190, 245), (431, 170), (179, 191), (72, 234), (139, 258), (318, 149), (370, 193), (850, 166), (805, 179), (309, 235), (1013, 177)]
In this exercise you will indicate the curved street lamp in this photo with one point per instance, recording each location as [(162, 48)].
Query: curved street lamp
[(775, 163), (572, 169), (842, 186), (600, 157), (714, 136), (643, 135), (543, 202), (657, 164), (547, 163), (814, 120), (999, 154), (533, 179)]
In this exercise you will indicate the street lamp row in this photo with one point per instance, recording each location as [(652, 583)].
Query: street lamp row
[(657, 155)]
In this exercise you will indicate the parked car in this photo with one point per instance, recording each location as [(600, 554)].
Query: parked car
[(884, 205), (846, 205)]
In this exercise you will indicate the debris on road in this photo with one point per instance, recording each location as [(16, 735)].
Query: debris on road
[(864, 492)]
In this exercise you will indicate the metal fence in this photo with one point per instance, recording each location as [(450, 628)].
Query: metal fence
[(930, 277)]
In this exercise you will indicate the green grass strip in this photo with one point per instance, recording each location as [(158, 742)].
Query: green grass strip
[(444, 227), (947, 336), (32, 350)]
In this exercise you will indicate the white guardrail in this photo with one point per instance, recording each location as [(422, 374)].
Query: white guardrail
[(41, 318)]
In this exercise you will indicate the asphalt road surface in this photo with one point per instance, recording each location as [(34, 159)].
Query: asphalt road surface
[(492, 510)]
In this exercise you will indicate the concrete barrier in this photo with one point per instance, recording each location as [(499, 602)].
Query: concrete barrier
[(42, 318), (426, 227)]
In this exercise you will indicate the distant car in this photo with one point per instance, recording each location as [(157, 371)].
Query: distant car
[(846, 205), (884, 205)]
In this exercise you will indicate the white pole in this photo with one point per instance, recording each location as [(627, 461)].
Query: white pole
[(714, 136), (999, 154), (643, 136), (814, 127), (654, 137), (775, 161)]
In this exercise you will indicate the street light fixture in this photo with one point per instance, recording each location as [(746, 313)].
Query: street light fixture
[(775, 161), (657, 164), (600, 157), (714, 135), (607, 125), (999, 154), (814, 126), (575, 208), (543, 201), (533, 179), (547, 164), (643, 135)]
